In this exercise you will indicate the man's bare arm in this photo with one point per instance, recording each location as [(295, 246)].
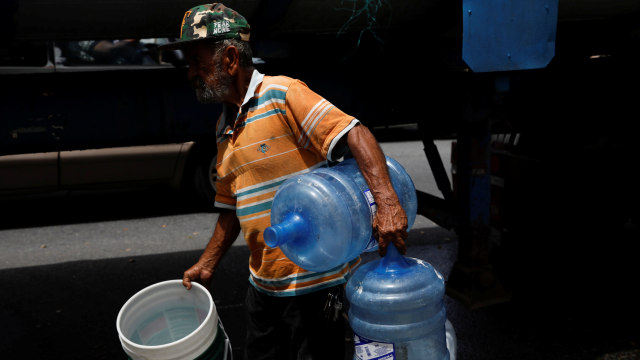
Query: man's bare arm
[(225, 233), (391, 221)]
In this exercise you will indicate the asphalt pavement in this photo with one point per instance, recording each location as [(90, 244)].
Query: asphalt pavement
[(68, 310)]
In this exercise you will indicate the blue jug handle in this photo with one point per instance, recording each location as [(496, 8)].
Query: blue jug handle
[(393, 261)]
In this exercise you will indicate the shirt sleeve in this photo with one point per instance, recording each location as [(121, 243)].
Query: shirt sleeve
[(318, 125), (225, 198), (225, 195)]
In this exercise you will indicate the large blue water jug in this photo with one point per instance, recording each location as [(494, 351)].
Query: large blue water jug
[(323, 218), (396, 309)]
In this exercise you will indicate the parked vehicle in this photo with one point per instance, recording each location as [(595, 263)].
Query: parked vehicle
[(96, 114)]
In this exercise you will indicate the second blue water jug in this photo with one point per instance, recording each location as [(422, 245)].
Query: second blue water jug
[(396, 310), (323, 218)]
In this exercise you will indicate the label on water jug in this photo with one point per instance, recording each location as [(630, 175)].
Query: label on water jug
[(366, 349), (373, 208)]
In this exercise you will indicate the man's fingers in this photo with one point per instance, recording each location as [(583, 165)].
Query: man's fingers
[(397, 238), (382, 247), (187, 277), (186, 282)]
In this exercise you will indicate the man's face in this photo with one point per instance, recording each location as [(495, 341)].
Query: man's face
[(206, 74)]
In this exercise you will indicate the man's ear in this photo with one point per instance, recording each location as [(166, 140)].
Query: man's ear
[(231, 60)]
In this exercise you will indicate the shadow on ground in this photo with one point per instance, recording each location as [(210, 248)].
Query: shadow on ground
[(69, 310)]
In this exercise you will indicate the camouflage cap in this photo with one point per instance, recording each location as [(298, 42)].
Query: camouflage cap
[(211, 22)]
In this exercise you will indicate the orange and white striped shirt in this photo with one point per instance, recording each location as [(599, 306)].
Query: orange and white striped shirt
[(282, 129)]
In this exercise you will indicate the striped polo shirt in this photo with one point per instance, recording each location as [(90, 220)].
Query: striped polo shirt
[(282, 129)]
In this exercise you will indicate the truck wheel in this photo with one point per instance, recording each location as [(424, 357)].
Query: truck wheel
[(201, 174)]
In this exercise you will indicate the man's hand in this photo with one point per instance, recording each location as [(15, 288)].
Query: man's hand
[(199, 273), (390, 226)]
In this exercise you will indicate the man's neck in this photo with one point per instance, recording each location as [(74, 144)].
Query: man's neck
[(241, 85)]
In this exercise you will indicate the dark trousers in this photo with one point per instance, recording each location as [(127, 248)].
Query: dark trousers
[(292, 328)]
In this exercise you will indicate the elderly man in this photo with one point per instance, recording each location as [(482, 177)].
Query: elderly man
[(271, 128)]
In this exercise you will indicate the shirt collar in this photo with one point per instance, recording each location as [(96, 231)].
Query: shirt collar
[(256, 79)]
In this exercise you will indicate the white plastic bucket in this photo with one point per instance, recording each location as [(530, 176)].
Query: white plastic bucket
[(165, 321)]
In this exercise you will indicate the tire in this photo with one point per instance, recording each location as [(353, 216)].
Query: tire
[(201, 173)]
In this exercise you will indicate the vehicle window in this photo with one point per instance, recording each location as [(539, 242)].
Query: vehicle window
[(112, 52), (23, 54)]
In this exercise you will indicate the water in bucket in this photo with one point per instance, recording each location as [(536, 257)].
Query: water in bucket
[(168, 325)]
